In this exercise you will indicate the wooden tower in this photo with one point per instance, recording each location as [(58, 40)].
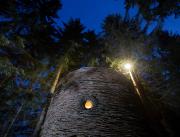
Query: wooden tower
[(95, 102)]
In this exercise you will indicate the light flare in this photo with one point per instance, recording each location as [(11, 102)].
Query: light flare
[(127, 66)]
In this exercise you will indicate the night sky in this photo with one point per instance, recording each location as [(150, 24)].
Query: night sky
[(93, 12)]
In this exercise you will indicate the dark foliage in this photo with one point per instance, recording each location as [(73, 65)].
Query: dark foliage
[(33, 52)]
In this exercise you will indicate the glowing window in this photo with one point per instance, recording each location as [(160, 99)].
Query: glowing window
[(88, 104)]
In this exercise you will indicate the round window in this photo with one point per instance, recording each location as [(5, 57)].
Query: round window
[(88, 104)]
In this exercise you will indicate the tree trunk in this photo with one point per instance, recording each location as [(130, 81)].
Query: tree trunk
[(39, 123), (13, 120), (115, 109), (53, 88), (44, 111)]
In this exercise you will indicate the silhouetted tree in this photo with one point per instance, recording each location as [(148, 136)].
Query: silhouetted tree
[(31, 20), (153, 10)]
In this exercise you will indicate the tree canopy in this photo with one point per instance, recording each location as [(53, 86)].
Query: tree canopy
[(36, 52)]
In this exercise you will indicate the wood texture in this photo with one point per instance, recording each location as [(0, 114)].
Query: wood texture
[(117, 111)]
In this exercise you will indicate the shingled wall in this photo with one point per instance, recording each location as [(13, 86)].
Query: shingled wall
[(116, 112)]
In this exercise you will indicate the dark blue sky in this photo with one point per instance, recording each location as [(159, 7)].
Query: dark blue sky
[(93, 12)]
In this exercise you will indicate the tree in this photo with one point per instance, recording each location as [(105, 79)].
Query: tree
[(31, 20), (153, 10), (124, 39), (154, 57), (26, 30), (11, 68), (81, 47)]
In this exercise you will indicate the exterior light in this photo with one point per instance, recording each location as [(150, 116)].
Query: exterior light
[(127, 66), (88, 104)]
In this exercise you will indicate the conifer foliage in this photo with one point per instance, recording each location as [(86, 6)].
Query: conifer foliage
[(35, 53)]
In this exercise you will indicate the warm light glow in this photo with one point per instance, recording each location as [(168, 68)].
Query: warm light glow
[(127, 66), (88, 104)]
